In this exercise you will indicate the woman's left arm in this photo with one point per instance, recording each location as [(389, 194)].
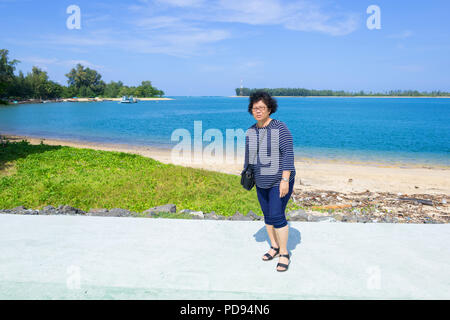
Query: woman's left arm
[(286, 149), (287, 158)]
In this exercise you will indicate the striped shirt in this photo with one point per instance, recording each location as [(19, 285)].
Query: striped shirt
[(269, 166)]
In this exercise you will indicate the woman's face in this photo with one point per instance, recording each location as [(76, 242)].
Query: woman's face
[(260, 110)]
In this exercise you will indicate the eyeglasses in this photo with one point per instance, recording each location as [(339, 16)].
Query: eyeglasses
[(259, 109)]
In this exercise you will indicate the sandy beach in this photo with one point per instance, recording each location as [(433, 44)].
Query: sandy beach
[(312, 174)]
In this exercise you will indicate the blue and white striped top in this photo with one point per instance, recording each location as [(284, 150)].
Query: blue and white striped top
[(269, 166)]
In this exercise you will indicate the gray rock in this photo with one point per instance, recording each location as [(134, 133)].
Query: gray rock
[(197, 214), (48, 210), (155, 211), (64, 209), (363, 219), (254, 216), (211, 216), (101, 212), (350, 218), (240, 217), (31, 212), (297, 215), (313, 218), (164, 208), (118, 212), (18, 210)]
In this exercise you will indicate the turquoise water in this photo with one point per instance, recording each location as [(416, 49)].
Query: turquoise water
[(401, 130)]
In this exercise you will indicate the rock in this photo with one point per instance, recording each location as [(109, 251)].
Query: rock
[(297, 215), (211, 216), (164, 208), (158, 209), (118, 212), (48, 210), (362, 219), (18, 210), (254, 216), (64, 209), (197, 214), (240, 216), (31, 212), (337, 217), (350, 218), (101, 212), (313, 218)]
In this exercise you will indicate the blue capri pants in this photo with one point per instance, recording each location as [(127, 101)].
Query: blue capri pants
[(273, 206)]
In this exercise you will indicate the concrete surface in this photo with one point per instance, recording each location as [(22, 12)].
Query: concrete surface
[(76, 257)]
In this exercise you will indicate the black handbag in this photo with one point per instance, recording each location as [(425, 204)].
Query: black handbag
[(247, 175)]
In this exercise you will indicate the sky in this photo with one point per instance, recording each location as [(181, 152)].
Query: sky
[(206, 47)]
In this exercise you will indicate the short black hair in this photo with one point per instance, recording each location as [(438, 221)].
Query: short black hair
[(270, 102)]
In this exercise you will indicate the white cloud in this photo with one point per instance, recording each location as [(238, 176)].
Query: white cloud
[(45, 62), (182, 3), (185, 28), (403, 35), (303, 15)]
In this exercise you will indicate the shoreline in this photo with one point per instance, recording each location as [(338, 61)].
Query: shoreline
[(312, 174)]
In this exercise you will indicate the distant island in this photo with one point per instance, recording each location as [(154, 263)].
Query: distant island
[(82, 82), (301, 92)]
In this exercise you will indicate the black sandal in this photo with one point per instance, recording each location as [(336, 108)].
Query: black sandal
[(286, 266), (270, 257)]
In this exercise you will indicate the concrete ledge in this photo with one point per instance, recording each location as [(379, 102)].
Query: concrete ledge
[(73, 257)]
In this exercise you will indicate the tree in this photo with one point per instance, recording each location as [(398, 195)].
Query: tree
[(6, 72), (37, 80), (112, 89), (145, 90), (80, 77)]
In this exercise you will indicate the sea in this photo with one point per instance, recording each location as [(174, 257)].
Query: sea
[(380, 130)]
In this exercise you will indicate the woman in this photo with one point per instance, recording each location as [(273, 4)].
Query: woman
[(274, 171)]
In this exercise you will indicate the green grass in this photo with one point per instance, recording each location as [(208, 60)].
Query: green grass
[(40, 175)]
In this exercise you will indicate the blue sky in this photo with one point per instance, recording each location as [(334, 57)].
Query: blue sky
[(206, 47)]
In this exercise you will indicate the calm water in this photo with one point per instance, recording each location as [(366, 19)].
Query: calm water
[(412, 130)]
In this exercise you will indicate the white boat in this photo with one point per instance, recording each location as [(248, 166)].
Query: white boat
[(129, 99)]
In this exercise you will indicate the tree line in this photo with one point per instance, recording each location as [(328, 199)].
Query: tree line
[(82, 82), (326, 93)]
